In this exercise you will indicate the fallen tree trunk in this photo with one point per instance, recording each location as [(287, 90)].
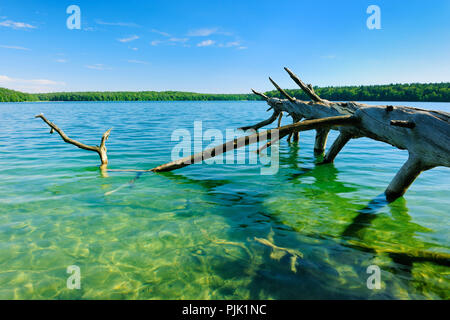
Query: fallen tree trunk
[(265, 135), (424, 133)]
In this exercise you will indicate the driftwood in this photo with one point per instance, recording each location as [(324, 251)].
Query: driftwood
[(101, 150), (246, 140), (424, 133)]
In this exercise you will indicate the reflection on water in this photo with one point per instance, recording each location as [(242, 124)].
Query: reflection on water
[(207, 231)]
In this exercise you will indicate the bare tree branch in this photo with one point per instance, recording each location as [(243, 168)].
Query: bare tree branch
[(264, 123), (262, 95), (306, 88), (426, 135), (284, 93), (246, 140), (101, 150)]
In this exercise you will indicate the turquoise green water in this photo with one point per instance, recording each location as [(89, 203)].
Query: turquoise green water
[(190, 234)]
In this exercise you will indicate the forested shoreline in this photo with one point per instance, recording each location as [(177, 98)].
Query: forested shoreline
[(431, 92)]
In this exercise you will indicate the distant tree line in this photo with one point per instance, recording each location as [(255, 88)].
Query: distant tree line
[(7, 95), (140, 96), (433, 92)]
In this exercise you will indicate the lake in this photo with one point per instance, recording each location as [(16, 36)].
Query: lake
[(200, 232)]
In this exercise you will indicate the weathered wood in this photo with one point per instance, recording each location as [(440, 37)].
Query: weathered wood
[(424, 133), (101, 150), (321, 141), (279, 119), (261, 124), (347, 120), (262, 95), (404, 177), (307, 89), (294, 134), (268, 144), (284, 93), (271, 142), (337, 146)]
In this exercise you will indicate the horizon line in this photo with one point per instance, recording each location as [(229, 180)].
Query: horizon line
[(230, 93)]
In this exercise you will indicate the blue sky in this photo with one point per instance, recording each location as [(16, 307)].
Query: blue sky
[(220, 46)]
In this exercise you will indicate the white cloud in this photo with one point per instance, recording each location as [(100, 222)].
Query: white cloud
[(202, 32), (30, 85), (170, 41), (138, 61), (16, 25), (330, 56), (61, 60), (179, 40), (230, 44), (206, 43), (165, 34), (14, 47), (131, 38), (118, 24), (98, 66)]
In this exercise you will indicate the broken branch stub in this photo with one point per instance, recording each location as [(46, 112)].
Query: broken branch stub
[(101, 150)]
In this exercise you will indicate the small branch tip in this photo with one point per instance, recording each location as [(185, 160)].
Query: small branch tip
[(284, 93)]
